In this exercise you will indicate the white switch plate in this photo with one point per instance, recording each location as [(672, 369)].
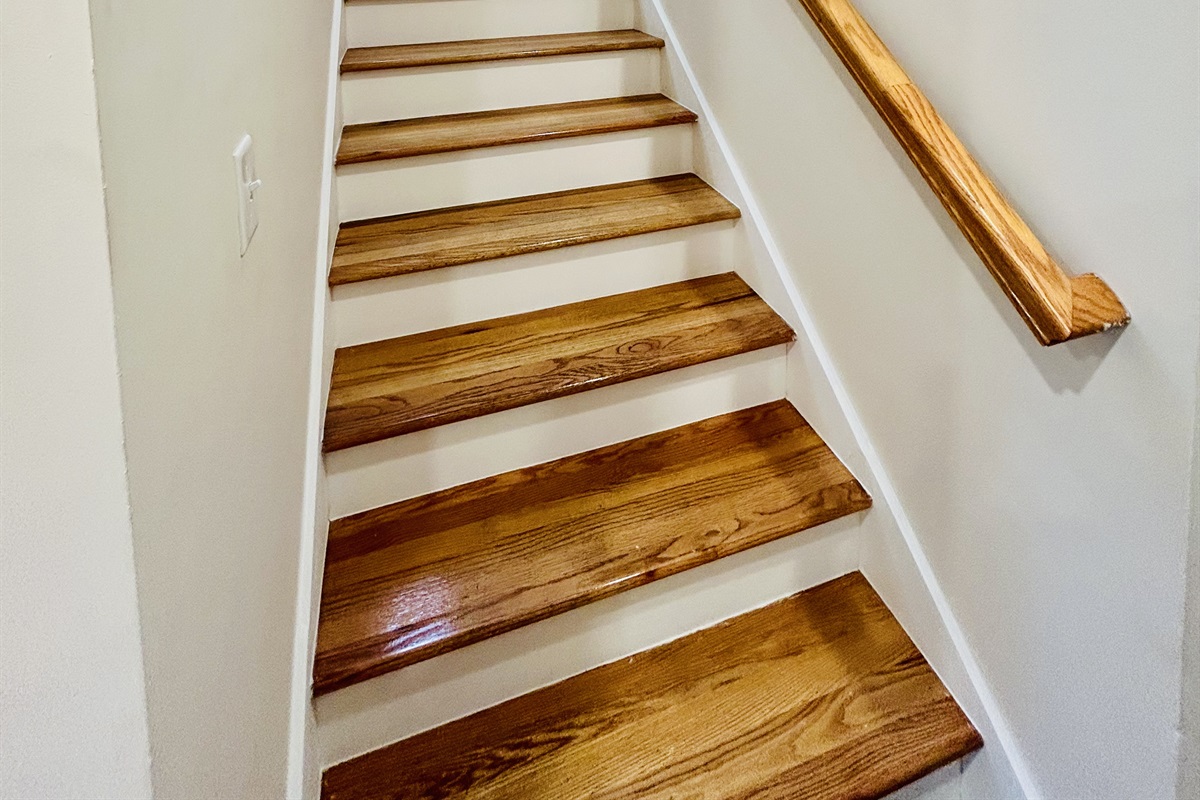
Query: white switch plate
[(248, 185)]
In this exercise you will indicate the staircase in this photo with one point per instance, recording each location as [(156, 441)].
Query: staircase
[(554, 384)]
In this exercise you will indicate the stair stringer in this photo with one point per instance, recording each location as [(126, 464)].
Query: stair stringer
[(304, 765), (889, 553)]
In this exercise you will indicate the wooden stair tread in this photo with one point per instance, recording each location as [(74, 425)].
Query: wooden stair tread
[(516, 548), (407, 243), (362, 59), (821, 695), (389, 388), (443, 134)]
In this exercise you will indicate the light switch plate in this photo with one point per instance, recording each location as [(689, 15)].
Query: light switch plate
[(248, 185)]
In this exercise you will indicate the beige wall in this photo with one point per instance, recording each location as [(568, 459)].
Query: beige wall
[(214, 351), (1049, 488), (72, 699)]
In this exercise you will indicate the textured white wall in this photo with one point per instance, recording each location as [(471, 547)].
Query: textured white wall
[(1048, 487), (72, 699), (215, 354)]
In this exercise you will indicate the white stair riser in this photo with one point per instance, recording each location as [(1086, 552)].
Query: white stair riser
[(384, 309), (387, 709), (421, 183), (372, 23), (373, 475), (430, 91)]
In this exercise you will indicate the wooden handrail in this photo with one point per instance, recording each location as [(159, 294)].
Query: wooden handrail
[(1056, 307)]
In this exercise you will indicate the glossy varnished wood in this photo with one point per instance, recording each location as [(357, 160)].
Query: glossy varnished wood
[(1055, 306), (389, 388), (427, 135), (362, 59), (399, 245), (517, 548), (819, 696)]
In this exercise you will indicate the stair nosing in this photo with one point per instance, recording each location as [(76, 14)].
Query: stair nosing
[(830, 492), (649, 42), (679, 115), (503, 246)]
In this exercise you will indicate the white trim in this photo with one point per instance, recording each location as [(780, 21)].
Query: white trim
[(302, 767), (987, 700)]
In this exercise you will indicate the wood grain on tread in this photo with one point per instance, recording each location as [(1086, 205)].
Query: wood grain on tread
[(513, 549), (821, 696), (1055, 306), (427, 135), (385, 389), (381, 248), (362, 59)]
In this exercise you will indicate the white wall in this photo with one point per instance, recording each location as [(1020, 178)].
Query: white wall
[(1049, 488), (1189, 756), (72, 700), (215, 354)]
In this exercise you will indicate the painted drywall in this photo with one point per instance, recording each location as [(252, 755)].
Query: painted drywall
[(1048, 488), (1189, 749), (304, 767), (215, 353), (72, 699)]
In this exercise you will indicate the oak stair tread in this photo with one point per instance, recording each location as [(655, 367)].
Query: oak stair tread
[(516, 548), (471, 51), (389, 388), (821, 695), (376, 141), (407, 243)]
